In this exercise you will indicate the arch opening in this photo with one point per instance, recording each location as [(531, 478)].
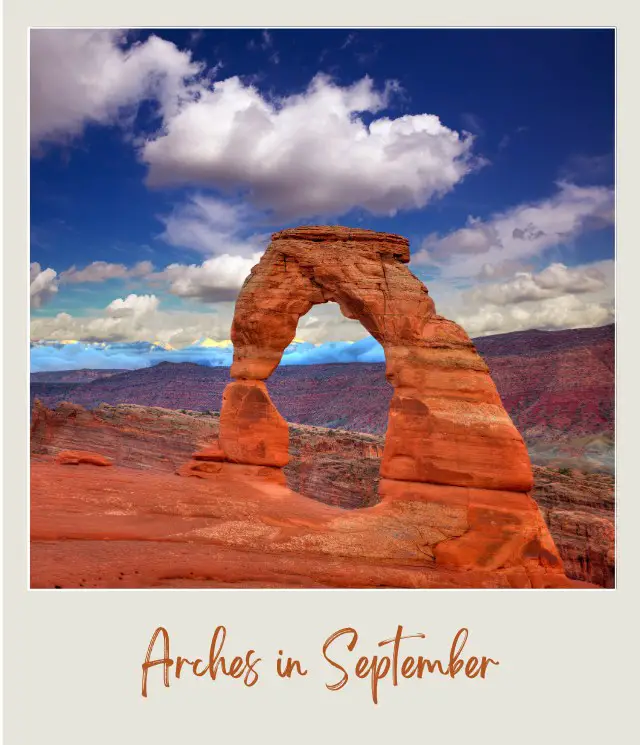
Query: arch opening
[(336, 409)]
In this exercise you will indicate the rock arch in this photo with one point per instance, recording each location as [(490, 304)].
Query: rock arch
[(446, 425)]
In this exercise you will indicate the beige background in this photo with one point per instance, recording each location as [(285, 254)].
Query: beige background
[(72, 658)]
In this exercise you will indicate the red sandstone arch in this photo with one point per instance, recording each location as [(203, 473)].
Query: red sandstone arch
[(446, 424)]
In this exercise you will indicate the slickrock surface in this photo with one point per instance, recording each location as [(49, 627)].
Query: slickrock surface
[(132, 436), (335, 467), (138, 529)]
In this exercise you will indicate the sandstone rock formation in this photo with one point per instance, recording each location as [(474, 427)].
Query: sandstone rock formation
[(450, 443), (446, 424), (131, 436), (252, 429)]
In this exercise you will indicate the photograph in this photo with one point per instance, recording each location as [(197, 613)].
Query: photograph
[(322, 308)]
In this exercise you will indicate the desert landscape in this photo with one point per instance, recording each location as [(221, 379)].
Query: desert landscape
[(300, 319), (136, 482)]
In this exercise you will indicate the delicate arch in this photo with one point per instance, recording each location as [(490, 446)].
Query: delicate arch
[(446, 421)]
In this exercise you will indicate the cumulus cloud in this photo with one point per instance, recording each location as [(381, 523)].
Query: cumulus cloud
[(80, 77), (325, 323), (136, 318), (100, 271), (215, 280), (556, 297), (563, 312), (323, 151), (520, 233), (502, 269), (133, 306), (218, 228), (44, 284), (311, 153), (140, 318), (557, 279), (132, 318)]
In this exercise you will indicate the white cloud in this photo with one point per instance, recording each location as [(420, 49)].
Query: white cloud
[(520, 233), (217, 279), (212, 226), (576, 297), (133, 306), (82, 76), (309, 154), (502, 269), (44, 285), (126, 320), (554, 281), (555, 298), (564, 312), (325, 323), (100, 271), (136, 318)]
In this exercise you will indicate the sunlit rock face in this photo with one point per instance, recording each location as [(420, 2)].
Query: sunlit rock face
[(446, 421)]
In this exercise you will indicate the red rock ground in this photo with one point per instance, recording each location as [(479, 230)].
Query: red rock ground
[(139, 529), (138, 524)]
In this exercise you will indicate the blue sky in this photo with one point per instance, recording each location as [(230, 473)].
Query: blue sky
[(170, 156)]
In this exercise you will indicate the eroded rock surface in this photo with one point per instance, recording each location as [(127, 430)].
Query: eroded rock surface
[(252, 429)]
